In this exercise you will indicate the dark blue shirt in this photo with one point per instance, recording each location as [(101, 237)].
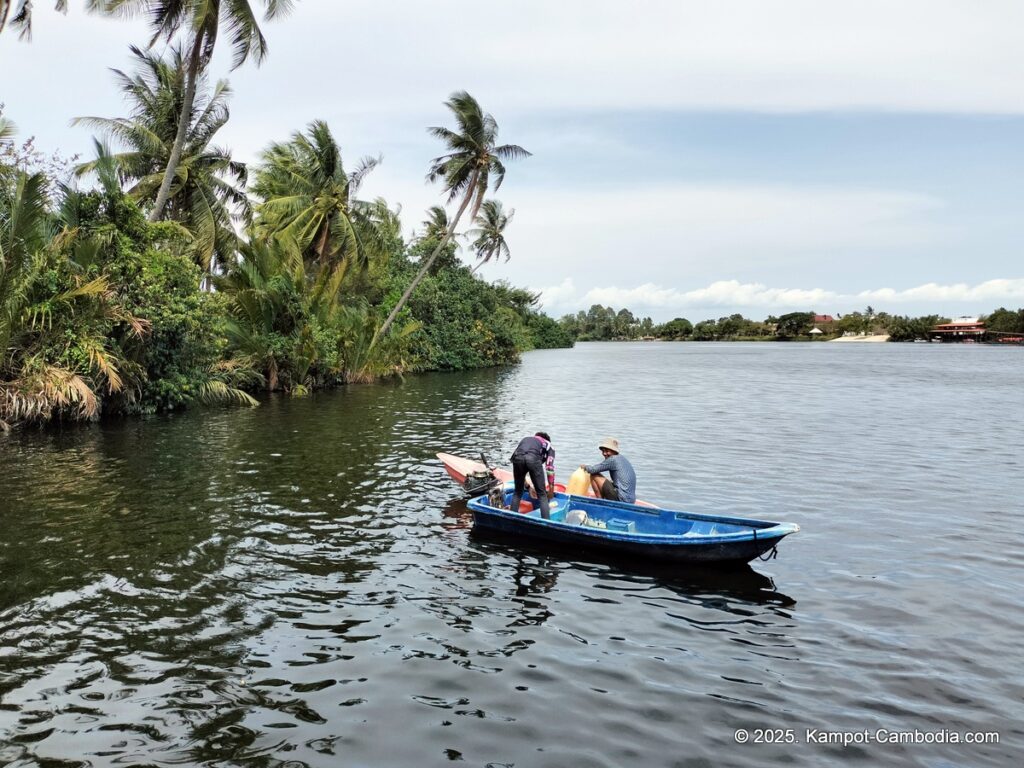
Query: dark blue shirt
[(534, 448)]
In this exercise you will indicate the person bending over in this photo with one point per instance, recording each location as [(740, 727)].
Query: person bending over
[(534, 456), (622, 483)]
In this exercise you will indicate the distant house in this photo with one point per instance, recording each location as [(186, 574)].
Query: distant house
[(823, 320), (961, 329), (816, 331)]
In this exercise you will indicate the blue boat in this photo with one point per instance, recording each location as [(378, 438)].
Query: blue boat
[(629, 530)]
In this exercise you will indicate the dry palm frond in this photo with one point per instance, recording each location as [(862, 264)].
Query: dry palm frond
[(139, 325), (46, 391), (97, 288), (66, 238), (104, 363)]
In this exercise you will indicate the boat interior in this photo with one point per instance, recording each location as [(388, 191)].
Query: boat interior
[(617, 517)]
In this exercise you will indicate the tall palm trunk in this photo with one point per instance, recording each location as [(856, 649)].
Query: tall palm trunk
[(470, 192), (191, 75), (321, 246)]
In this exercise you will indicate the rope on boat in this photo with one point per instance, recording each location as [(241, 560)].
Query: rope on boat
[(771, 554)]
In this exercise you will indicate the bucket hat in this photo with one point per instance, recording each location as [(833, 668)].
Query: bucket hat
[(610, 443)]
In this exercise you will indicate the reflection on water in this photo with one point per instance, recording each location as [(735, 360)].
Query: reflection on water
[(739, 581), (299, 584)]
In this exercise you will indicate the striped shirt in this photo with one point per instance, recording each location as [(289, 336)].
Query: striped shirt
[(622, 475)]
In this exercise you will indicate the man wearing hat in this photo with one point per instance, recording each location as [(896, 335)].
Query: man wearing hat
[(622, 485)]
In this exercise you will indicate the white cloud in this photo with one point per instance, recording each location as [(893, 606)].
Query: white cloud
[(988, 291), (728, 296), (755, 295), (564, 294)]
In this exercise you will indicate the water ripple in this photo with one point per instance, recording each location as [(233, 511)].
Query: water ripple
[(298, 585)]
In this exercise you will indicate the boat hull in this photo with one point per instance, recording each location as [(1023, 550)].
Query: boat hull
[(729, 540)]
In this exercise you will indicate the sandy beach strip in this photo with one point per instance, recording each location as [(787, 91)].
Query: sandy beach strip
[(864, 339)]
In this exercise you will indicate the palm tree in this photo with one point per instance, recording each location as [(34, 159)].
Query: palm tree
[(305, 194), (434, 228), (22, 18), (474, 157), (202, 20), (489, 242), (436, 223), (208, 185), (7, 131), (259, 285), (282, 321)]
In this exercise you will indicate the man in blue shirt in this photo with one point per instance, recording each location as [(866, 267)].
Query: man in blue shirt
[(622, 485)]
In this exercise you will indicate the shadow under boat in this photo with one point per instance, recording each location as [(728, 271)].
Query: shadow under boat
[(737, 580)]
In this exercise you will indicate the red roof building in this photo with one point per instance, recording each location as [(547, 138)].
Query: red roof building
[(961, 329)]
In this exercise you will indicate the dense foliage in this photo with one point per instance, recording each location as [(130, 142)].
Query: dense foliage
[(103, 309), (794, 324), (910, 328), (604, 324), (1006, 321)]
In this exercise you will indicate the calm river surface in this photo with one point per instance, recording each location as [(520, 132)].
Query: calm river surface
[(297, 584)]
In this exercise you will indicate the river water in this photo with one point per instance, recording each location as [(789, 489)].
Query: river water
[(298, 585)]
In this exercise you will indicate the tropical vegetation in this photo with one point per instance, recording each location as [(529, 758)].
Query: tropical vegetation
[(473, 160), (207, 192), (163, 272)]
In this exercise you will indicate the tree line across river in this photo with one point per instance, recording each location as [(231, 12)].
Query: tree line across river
[(602, 323)]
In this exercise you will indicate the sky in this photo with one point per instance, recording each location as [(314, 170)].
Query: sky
[(690, 159)]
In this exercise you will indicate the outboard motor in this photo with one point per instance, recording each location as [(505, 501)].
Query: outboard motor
[(479, 483)]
